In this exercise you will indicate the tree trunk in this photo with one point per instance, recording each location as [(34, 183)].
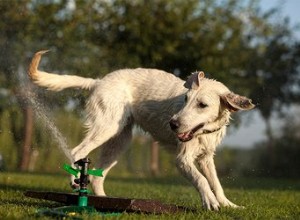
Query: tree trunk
[(154, 162), (28, 129), (270, 143)]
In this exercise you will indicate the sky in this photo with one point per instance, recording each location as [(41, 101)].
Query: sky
[(289, 8), (253, 128)]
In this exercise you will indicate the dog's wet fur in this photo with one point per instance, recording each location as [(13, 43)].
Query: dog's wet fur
[(188, 117)]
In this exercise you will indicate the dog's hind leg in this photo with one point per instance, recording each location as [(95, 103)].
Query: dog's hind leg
[(109, 154), (103, 125), (108, 136)]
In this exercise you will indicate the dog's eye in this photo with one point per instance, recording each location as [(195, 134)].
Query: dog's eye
[(202, 105)]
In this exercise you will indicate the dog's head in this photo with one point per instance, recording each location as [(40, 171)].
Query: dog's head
[(205, 103)]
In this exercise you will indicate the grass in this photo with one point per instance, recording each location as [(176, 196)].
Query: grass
[(263, 198)]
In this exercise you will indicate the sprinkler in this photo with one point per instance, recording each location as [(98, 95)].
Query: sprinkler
[(82, 202), (82, 179)]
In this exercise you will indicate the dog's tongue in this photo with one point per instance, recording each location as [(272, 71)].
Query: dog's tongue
[(186, 136)]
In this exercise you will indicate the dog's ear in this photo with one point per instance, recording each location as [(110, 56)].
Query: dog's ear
[(193, 81), (234, 102)]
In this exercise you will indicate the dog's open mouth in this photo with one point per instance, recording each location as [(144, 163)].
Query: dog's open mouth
[(186, 136)]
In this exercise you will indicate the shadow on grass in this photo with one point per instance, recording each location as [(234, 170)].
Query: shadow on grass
[(232, 183), (18, 187), (20, 181), (56, 180), (30, 202)]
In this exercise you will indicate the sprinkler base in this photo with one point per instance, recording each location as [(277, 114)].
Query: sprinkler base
[(112, 204)]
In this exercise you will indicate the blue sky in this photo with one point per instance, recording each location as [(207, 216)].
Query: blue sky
[(253, 128), (288, 8)]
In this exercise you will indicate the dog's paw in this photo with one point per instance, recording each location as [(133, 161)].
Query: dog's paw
[(227, 203), (210, 202)]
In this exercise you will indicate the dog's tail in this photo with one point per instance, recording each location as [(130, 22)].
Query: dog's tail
[(56, 82)]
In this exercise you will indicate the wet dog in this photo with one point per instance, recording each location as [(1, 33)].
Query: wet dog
[(188, 117)]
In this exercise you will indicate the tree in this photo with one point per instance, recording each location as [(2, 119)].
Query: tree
[(230, 40), (285, 152), (26, 26), (11, 21), (277, 78)]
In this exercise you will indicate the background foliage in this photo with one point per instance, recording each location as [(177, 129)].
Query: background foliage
[(233, 41)]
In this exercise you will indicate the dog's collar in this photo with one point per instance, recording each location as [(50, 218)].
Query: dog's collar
[(223, 122), (212, 131)]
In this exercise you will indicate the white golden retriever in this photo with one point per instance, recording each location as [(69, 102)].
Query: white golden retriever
[(189, 117)]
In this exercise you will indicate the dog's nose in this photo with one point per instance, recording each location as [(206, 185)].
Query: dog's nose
[(174, 124)]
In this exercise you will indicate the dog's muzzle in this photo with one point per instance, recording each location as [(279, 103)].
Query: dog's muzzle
[(184, 136)]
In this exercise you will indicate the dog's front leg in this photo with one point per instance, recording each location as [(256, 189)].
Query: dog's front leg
[(185, 164), (209, 170)]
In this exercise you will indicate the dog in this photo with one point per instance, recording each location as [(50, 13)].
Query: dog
[(187, 117)]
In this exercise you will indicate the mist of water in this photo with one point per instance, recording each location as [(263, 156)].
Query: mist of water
[(41, 113)]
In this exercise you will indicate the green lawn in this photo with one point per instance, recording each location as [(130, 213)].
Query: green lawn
[(263, 198)]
